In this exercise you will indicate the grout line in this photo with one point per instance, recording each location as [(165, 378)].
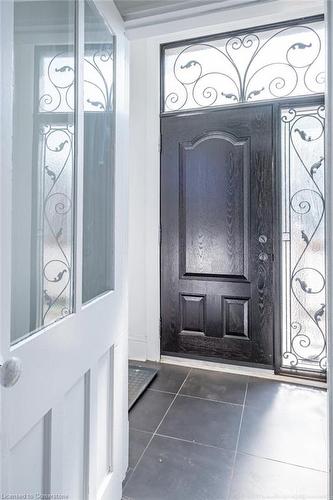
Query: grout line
[(237, 442), (159, 390), (195, 442), (155, 432), (177, 394), (281, 462), (241, 421), (138, 430), (213, 400)]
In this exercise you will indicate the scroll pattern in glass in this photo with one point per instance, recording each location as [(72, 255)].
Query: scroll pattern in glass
[(56, 92), (254, 66), (303, 239)]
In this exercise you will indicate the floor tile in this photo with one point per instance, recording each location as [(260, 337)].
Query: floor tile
[(296, 436), (215, 386), (263, 393), (260, 479), (169, 378), (138, 441), (176, 470), (203, 421), (149, 410)]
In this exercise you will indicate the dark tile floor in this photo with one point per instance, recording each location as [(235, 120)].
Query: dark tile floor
[(205, 435)]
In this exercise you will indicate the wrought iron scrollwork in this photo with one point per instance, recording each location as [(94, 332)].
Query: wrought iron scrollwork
[(305, 336), (247, 67)]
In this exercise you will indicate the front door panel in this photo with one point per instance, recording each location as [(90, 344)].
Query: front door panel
[(217, 235)]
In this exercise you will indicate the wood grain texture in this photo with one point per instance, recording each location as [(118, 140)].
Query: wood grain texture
[(212, 215), (216, 200)]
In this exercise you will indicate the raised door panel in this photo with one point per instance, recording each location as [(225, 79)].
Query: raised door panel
[(236, 318), (104, 407), (28, 463), (214, 171), (75, 441), (193, 314)]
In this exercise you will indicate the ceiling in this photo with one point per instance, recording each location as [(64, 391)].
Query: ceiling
[(136, 9)]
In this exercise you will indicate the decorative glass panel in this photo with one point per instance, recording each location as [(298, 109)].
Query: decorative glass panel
[(98, 207), (254, 66), (303, 239), (43, 152)]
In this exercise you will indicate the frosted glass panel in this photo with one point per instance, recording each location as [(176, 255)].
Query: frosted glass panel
[(98, 218), (43, 152), (303, 239), (246, 67)]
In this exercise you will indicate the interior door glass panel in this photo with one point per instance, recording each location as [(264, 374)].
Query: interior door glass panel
[(43, 165), (98, 211)]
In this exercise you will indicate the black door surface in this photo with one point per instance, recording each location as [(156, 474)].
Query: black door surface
[(217, 235)]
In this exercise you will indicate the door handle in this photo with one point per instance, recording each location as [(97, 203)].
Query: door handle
[(10, 372)]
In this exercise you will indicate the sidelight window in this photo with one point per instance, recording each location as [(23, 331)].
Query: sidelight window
[(303, 239)]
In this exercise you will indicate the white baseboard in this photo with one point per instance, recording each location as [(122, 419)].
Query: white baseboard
[(137, 349), (240, 370)]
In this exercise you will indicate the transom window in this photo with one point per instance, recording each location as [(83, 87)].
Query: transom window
[(272, 63)]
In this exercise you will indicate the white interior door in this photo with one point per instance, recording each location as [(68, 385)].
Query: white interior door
[(63, 252)]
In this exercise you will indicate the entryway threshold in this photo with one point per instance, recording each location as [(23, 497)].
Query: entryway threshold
[(240, 370)]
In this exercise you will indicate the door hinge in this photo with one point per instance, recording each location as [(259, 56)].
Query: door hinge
[(160, 235), (160, 327), (160, 144)]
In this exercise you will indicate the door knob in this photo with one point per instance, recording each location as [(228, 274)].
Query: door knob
[(10, 372)]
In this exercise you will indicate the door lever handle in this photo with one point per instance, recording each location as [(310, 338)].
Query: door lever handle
[(10, 372)]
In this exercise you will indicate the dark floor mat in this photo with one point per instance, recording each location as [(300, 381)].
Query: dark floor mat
[(139, 378)]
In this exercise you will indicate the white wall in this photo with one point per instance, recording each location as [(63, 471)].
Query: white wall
[(145, 43), (137, 269)]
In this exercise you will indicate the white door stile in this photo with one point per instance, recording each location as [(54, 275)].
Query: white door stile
[(62, 365), (79, 153), (6, 80)]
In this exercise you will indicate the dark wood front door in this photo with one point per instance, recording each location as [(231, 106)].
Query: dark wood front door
[(217, 235)]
